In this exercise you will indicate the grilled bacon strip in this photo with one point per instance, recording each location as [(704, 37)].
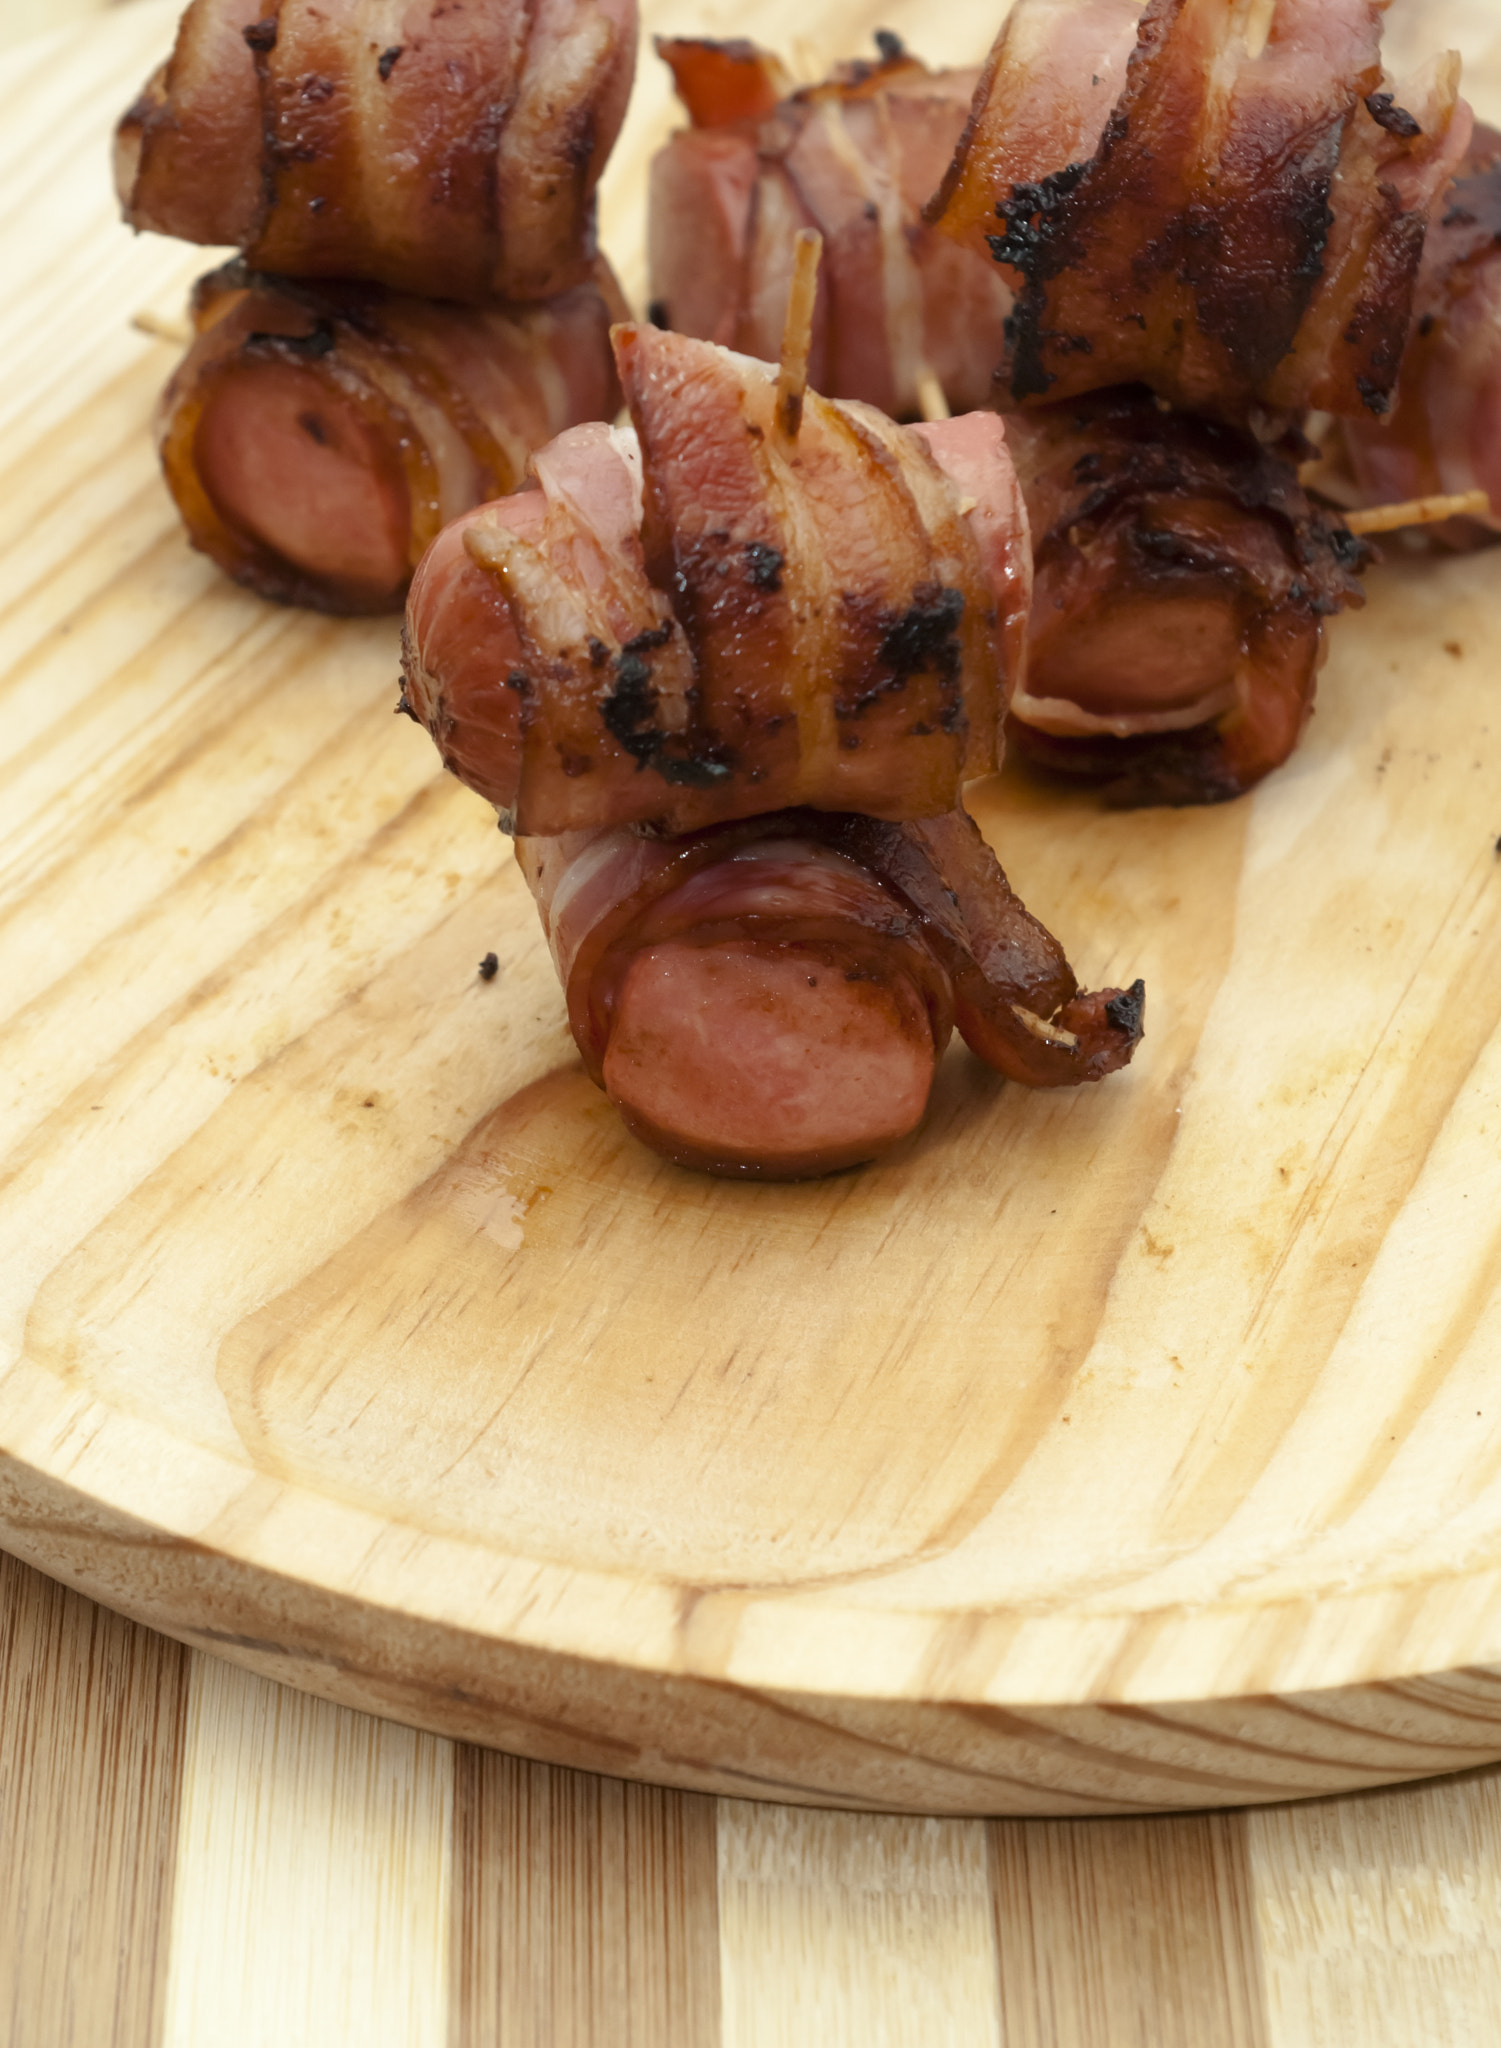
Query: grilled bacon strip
[(1182, 585), (769, 998), (442, 150), (703, 619), (1445, 432), (1246, 232), (1043, 97), (317, 437), (855, 158)]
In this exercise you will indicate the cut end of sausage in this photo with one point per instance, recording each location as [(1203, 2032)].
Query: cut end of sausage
[(291, 463), (767, 1061)]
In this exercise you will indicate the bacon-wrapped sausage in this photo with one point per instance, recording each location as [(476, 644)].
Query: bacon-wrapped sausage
[(1444, 436), (711, 617), (317, 437), (1247, 231), (770, 998), (446, 150), (855, 157), (1182, 584)]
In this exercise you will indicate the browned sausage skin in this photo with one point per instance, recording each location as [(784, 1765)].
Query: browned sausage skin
[(768, 999), (453, 156), (700, 620), (317, 437)]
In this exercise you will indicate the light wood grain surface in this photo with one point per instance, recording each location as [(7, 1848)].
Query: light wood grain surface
[(1125, 1449), (194, 1857)]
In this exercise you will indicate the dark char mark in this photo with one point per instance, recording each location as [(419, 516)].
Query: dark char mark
[(629, 713), (1032, 219), (926, 636), (763, 565), (922, 640), (1396, 120), (1475, 202), (1126, 1011)]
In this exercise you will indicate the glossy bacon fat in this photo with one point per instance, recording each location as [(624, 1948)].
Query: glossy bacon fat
[(769, 999), (447, 150), (1243, 229), (708, 617), (1182, 584), (855, 158), (1445, 433), (317, 437)]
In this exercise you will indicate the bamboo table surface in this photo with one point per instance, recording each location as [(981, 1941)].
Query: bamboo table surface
[(191, 1854)]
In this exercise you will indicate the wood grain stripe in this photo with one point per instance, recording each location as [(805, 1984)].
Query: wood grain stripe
[(1379, 1917), (91, 1726), (584, 1911), (312, 1858), (854, 1931), (1126, 1934)]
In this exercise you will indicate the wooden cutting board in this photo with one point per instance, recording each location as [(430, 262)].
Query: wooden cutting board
[(1128, 1448)]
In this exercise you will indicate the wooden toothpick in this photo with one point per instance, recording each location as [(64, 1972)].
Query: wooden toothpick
[(1419, 512), (930, 396), (1040, 1028), (797, 332), (177, 332)]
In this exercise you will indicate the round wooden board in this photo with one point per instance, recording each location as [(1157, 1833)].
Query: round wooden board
[(1130, 1448)]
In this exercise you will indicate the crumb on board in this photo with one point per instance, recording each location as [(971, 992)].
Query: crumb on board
[(489, 967)]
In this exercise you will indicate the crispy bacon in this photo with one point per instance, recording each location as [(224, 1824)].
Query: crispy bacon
[(704, 619), (1247, 231), (1445, 432), (1044, 94), (855, 158), (317, 437), (723, 82), (447, 151), (1182, 584), (769, 998)]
